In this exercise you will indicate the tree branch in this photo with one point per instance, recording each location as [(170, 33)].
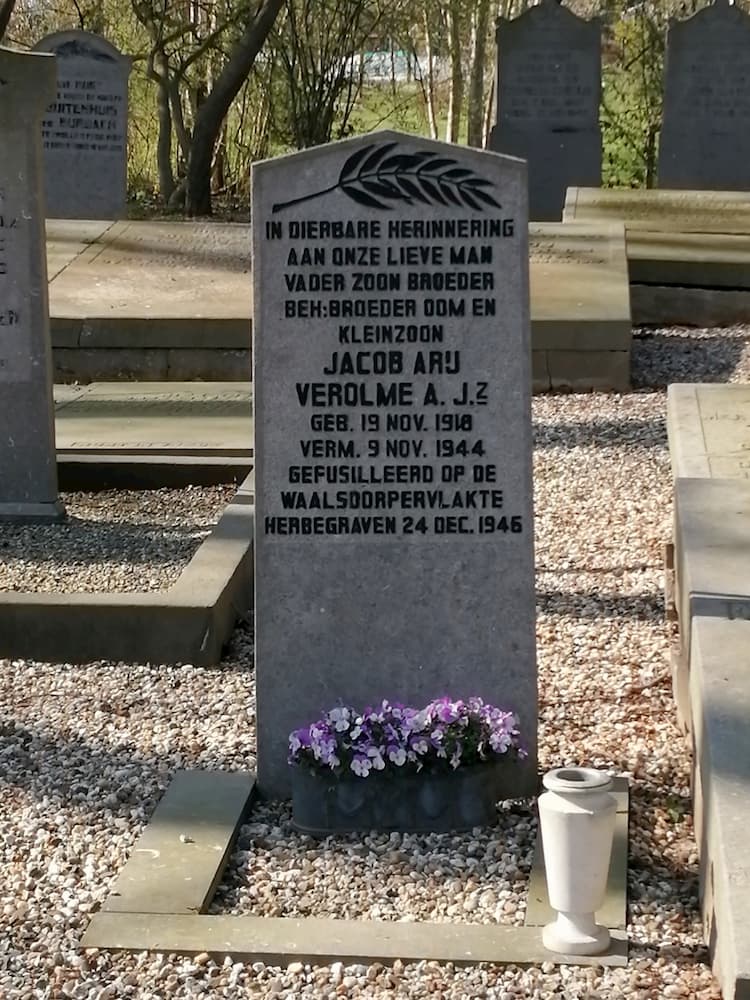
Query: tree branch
[(6, 9)]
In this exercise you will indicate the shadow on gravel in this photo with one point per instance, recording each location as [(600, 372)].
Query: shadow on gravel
[(597, 605), (659, 359), (601, 434)]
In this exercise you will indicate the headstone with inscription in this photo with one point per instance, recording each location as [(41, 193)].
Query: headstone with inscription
[(705, 136), (394, 535), (28, 467), (548, 87), (85, 130)]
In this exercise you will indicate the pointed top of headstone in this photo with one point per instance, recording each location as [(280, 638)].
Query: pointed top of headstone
[(27, 83)]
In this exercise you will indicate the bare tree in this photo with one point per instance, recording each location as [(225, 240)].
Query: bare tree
[(212, 112)]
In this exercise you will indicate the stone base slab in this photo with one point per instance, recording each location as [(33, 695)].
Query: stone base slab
[(581, 371), (279, 941), (31, 513)]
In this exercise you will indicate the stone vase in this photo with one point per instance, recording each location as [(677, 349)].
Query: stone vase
[(577, 819)]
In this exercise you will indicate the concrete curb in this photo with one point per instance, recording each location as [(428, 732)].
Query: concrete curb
[(188, 623)]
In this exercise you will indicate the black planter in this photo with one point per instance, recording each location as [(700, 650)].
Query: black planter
[(409, 803)]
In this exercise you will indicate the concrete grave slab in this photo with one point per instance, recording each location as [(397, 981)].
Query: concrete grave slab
[(179, 859), (279, 941), (85, 130), (188, 623), (170, 285), (67, 239), (712, 551), (580, 297), (656, 210), (709, 430), (386, 395), (580, 306), (702, 260), (157, 419), (720, 708)]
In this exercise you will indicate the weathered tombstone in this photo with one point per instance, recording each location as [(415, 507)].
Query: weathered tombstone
[(394, 538), (28, 467), (85, 130), (705, 136), (548, 88)]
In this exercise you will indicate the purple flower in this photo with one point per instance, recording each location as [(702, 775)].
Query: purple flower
[(444, 735)]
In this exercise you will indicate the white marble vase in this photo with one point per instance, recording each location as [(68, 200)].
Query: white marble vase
[(577, 819)]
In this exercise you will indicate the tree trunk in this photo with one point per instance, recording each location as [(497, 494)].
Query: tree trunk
[(475, 115), (429, 90), (164, 141), (213, 111), (457, 72), (6, 9)]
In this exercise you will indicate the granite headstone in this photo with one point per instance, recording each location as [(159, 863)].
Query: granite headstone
[(85, 130), (705, 136), (394, 535), (548, 91), (28, 466)]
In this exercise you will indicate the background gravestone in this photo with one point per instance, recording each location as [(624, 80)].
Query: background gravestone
[(85, 131), (28, 467), (548, 89), (394, 535), (705, 136)]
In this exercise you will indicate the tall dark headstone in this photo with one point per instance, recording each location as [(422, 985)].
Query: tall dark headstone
[(28, 466), (394, 535), (85, 130), (548, 92), (705, 136)]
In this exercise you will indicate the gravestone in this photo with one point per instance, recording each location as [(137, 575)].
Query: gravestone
[(85, 130), (548, 87), (28, 467), (705, 136), (394, 535)]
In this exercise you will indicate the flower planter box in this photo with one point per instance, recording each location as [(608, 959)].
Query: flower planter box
[(324, 804)]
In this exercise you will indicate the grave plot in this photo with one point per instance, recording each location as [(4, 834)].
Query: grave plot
[(580, 306), (345, 900)]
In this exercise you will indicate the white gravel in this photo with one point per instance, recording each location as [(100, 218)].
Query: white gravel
[(86, 751), (112, 541)]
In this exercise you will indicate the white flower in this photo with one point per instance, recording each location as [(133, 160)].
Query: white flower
[(361, 766), (397, 756), (294, 743), (377, 761), (339, 718)]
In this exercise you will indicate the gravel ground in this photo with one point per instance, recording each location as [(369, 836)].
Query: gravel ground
[(86, 751), (114, 541)]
